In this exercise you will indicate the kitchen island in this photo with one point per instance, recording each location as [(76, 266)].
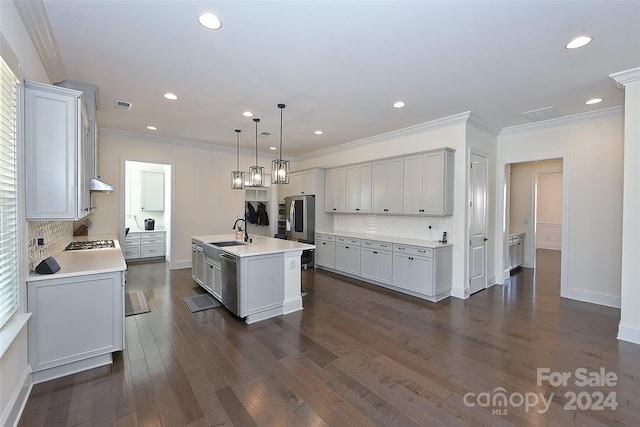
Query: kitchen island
[(267, 274), (77, 313)]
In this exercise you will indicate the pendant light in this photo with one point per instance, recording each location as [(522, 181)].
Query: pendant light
[(256, 173), (279, 167), (237, 176)]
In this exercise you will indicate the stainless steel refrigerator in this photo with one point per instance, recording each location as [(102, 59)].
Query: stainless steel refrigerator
[(300, 218)]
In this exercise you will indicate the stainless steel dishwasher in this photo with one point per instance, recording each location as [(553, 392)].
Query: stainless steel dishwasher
[(230, 265)]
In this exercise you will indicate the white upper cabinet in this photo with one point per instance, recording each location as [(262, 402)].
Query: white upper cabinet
[(428, 183), (335, 194), (386, 185), (57, 155), (358, 188), (152, 191), (304, 183)]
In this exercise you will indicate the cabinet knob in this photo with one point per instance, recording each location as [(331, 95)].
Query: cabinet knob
[(386, 210)]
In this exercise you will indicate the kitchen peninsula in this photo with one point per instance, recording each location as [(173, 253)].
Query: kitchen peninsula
[(267, 274), (78, 312)]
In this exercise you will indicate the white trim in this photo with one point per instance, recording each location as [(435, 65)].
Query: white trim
[(630, 333), (591, 297), (11, 330), (605, 113), (176, 265), (18, 401), (624, 78)]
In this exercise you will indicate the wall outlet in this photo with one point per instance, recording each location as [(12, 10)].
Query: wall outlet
[(40, 241)]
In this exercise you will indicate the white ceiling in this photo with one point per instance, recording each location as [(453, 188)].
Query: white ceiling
[(339, 65)]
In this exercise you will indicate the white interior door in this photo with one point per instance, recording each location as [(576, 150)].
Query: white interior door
[(477, 223)]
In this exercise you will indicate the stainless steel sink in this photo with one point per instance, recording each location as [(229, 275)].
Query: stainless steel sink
[(227, 243)]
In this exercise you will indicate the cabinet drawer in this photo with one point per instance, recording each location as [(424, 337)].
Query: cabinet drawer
[(151, 251), (151, 241), (413, 250), (131, 252), (347, 240), (151, 236), (325, 237), (132, 239), (374, 244)]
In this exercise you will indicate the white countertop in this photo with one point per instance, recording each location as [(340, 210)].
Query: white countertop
[(261, 245), (389, 239), (140, 230), (93, 261)]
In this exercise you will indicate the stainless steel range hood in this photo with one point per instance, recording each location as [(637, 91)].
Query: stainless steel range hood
[(100, 186)]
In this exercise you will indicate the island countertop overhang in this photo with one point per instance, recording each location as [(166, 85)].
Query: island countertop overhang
[(261, 245)]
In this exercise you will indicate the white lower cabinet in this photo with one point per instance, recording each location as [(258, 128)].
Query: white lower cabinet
[(197, 262), (424, 272), (213, 278), (325, 252), (144, 244), (376, 264), (76, 323)]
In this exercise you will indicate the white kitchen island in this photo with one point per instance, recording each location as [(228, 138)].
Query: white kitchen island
[(268, 274)]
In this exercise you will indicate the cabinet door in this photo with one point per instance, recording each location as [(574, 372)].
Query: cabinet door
[(297, 183), (401, 271), (437, 190), (379, 187), (395, 180), (358, 188), (152, 191), (335, 192), (309, 183), (385, 266), (422, 275), (368, 261), (353, 260), (376, 265), (342, 261), (208, 276), (412, 184), (326, 254), (54, 134)]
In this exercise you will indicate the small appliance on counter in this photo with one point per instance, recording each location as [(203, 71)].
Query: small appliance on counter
[(149, 224)]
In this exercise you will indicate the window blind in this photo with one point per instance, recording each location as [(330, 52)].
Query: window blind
[(8, 193)]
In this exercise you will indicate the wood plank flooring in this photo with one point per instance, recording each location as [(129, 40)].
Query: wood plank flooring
[(357, 355)]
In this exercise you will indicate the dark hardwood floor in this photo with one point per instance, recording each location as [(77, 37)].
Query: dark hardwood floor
[(356, 355)]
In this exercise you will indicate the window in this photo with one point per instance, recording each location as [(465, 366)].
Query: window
[(9, 85)]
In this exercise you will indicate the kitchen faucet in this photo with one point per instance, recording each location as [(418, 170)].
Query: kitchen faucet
[(246, 235)]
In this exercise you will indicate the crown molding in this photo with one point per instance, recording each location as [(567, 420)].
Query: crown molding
[(479, 123), (624, 78), (34, 17), (456, 119), (116, 133), (564, 121)]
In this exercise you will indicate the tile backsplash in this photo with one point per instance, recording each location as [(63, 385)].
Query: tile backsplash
[(55, 234), (413, 227)]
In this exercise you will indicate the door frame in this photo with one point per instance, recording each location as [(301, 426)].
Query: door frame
[(502, 235)]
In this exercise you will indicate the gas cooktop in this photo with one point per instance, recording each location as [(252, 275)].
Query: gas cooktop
[(90, 244)]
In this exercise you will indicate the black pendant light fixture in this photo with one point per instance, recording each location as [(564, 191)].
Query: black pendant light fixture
[(279, 167), (237, 176), (256, 173)]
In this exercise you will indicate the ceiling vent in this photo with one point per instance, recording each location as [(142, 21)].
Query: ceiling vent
[(541, 114), (123, 105), (264, 133)]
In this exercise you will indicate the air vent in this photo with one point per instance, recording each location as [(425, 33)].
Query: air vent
[(123, 105), (541, 114), (264, 133)]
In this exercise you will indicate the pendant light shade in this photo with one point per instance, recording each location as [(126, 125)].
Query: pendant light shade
[(279, 167), (256, 173), (237, 176)]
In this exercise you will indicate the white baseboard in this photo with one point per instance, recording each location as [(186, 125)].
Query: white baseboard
[(551, 246), (592, 297), (18, 400), (459, 293), (630, 333), (176, 265)]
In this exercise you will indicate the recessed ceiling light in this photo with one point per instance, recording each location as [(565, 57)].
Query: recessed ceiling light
[(318, 132), (247, 114), (170, 96), (578, 42), (593, 101), (210, 21), (152, 128), (272, 148), (398, 104)]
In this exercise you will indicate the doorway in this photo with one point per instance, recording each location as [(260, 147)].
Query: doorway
[(534, 204), (147, 211)]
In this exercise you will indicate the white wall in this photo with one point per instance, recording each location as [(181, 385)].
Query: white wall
[(203, 201), (592, 223)]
